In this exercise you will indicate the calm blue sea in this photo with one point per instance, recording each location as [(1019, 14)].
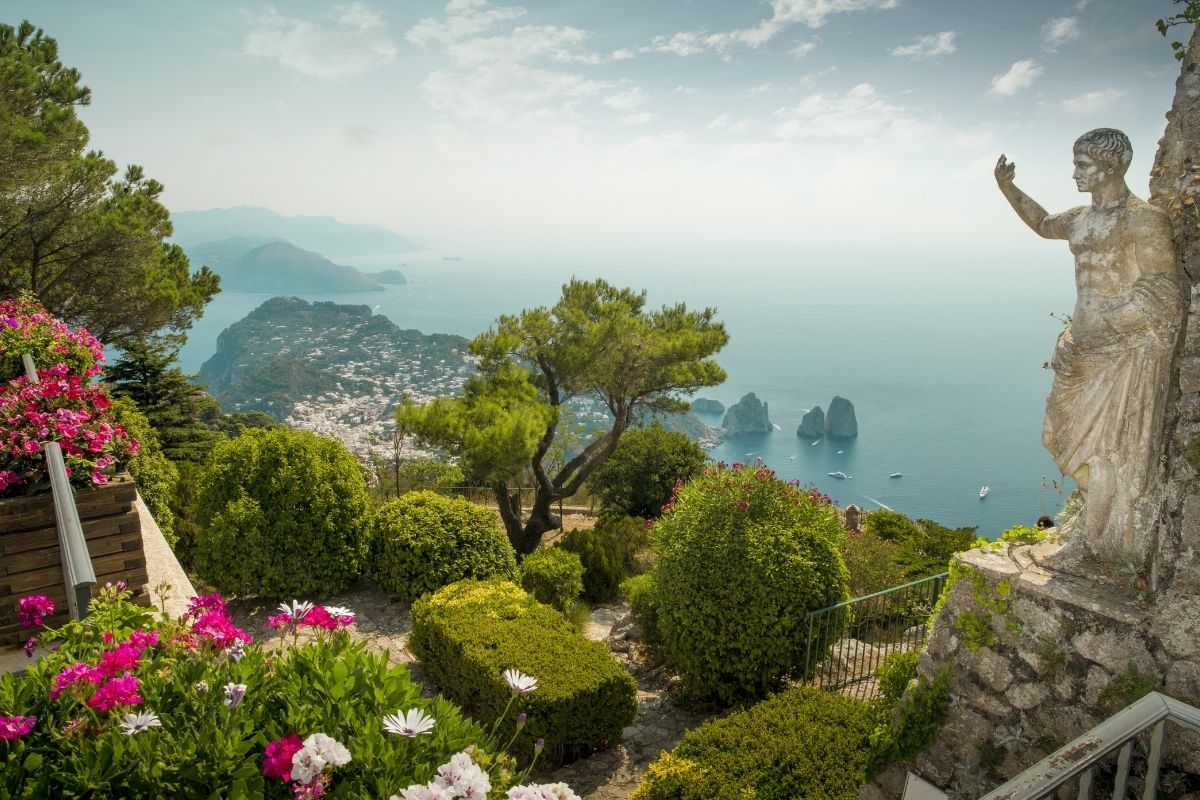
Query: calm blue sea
[(943, 362)]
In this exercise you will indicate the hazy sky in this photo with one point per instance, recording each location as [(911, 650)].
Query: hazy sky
[(825, 124)]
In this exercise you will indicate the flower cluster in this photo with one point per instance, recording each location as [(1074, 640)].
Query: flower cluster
[(212, 627), (461, 777), (301, 614), (303, 763), (26, 327), (14, 727), (64, 409), (34, 609)]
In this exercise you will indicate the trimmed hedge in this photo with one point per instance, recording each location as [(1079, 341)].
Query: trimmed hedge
[(469, 632), (553, 575), (803, 744), (422, 541)]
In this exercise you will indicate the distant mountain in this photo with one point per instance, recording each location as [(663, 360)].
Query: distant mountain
[(322, 234), (390, 276), (276, 267)]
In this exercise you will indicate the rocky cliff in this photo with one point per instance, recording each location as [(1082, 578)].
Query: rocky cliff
[(748, 415), (840, 422), (812, 425), (704, 405)]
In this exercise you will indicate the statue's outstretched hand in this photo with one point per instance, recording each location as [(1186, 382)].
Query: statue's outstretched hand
[(1005, 170)]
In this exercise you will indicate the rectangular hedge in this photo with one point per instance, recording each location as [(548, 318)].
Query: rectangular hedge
[(469, 632)]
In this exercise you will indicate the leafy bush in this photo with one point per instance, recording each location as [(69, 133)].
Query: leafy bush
[(632, 537), (281, 513), (642, 595), (600, 552), (423, 541), (1022, 534), (467, 633), (638, 477), (553, 575), (742, 558), (874, 564), (895, 673), (926, 546), (803, 743), (217, 700), (429, 473), (27, 327), (156, 477)]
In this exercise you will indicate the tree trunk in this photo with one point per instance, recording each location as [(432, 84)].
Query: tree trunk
[(541, 519)]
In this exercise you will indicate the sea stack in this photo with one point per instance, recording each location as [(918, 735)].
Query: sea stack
[(840, 422), (705, 405), (748, 415), (812, 425)]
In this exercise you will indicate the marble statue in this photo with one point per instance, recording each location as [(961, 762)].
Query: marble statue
[(1104, 413)]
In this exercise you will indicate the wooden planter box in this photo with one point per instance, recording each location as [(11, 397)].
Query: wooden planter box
[(30, 562)]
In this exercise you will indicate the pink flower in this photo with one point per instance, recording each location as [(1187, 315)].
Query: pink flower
[(144, 639), (33, 609), (742, 505), (30, 646), (121, 691), (205, 602), (14, 727), (76, 673), (219, 630), (107, 637), (277, 758), (126, 657)]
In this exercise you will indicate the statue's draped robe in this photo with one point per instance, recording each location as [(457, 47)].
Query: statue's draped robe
[(1105, 408)]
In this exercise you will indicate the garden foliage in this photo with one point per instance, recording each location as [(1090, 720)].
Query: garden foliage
[(468, 633), (26, 327), (638, 477), (742, 558), (136, 706), (600, 552), (925, 545), (155, 475), (423, 541), (281, 513), (802, 744), (554, 576), (641, 593)]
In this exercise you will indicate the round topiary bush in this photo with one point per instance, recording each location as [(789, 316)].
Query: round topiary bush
[(280, 513), (552, 575), (599, 551), (742, 558), (423, 541), (637, 478)]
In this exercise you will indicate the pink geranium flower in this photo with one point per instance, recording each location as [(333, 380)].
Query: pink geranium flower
[(277, 759), (33, 609), (121, 691), (14, 727), (76, 673)]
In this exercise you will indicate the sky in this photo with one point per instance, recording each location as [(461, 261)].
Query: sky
[(785, 125)]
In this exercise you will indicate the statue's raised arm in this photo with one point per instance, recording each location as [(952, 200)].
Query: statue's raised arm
[(1028, 209)]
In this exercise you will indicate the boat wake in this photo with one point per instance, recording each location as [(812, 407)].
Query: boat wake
[(876, 502)]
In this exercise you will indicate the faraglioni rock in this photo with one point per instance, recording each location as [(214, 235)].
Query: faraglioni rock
[(813, 424), (703, 405), (840, 422), (748, 415)]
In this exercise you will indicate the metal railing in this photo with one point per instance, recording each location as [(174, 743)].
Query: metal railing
[(1085, 754), (849, 641), (78, 575)]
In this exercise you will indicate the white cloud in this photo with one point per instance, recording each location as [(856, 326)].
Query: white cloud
[(621, 55), (628, 100), (463, 18), (1059, 31), (784, 13), (860, 115), (1092, 102), (681, 89), (727, 123), (640, 118), (931, 46), (352, 40), (802, 49), (1020, 76)]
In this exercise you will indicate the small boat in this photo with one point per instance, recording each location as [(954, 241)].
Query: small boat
[(839, 475), (840, 452), (896, 475), (791, 458), (983, 491), (817, 442)]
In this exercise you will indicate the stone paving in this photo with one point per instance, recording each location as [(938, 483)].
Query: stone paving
[(613, 774)]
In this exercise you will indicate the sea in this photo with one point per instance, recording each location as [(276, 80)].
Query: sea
[(942, 360)]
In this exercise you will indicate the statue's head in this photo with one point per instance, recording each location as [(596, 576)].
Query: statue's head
[(1108, 147)]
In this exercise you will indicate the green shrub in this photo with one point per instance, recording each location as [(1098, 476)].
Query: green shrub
[(468, 633), (423, 541), (874, 564), (632, 537), (553, 575), (642, 595), (202, 748), (156, 476), (891, 526), (603, 565), (905, 727), (804, 743), (895, 673), (281, 513), (742, 558), (428, 473), (925, 546), (1022, 534), (638, 477)]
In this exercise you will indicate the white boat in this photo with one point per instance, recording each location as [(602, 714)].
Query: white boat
[(840, 452), (839, 475), (983, 491), (818, 441), (791, 458), (896, 475)]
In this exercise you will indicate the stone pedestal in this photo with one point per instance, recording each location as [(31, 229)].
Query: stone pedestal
[(1040, 657)]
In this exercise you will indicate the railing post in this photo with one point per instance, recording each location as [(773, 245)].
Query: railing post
[(78, 575)]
